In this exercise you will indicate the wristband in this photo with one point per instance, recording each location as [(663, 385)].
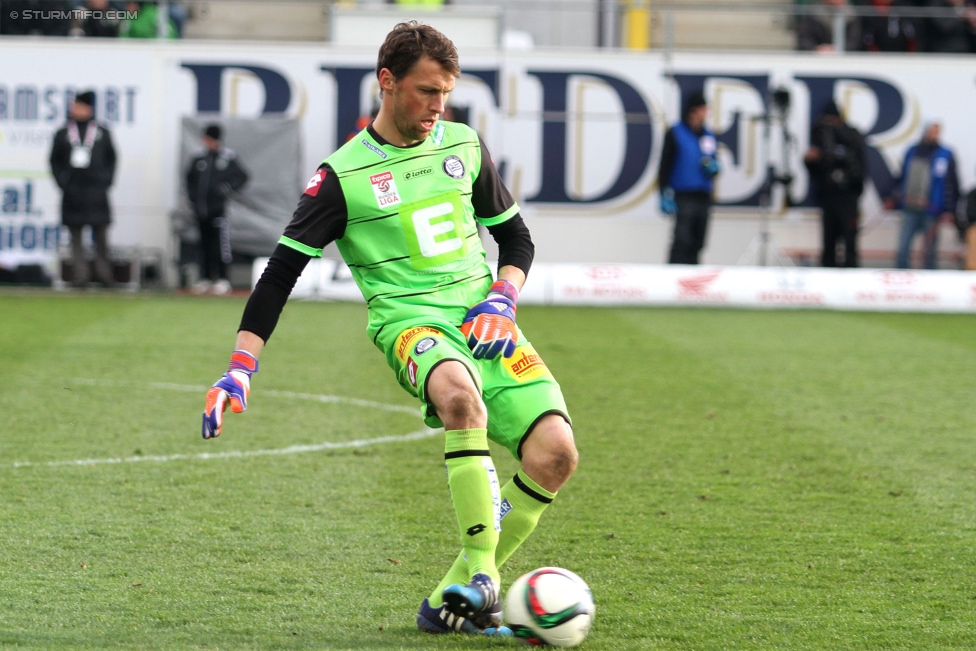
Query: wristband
[(506, 289), (241, 360)]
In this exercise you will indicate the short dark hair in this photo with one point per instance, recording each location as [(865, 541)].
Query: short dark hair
[(408, 42)]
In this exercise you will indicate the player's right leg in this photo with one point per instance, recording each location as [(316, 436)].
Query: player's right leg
[(449, 388), (439, 369)]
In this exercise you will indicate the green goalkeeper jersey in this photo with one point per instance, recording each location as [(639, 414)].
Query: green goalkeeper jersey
[(410, 235)]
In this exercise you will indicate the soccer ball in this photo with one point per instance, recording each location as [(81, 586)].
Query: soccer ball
[(550, 605)]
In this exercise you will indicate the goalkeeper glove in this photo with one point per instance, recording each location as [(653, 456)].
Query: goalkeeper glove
[(490, 324), (233, 386), (710, 163), (668, 205)]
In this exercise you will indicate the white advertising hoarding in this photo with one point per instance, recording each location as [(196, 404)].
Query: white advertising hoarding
[(576, 134)]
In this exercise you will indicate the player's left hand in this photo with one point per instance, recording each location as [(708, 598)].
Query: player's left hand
[(711, 165), (490, 324)]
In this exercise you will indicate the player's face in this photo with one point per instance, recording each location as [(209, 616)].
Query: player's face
[(418, 99)]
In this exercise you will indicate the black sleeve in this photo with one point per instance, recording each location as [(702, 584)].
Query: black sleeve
[(110, 158), (59, 159), (236, 175), (191, 177), (668, 152), (272, 290), (319, 219), (489, 196), (515, 245), (321, 215)]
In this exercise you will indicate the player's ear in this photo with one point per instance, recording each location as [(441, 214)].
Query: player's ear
[(386, 79)]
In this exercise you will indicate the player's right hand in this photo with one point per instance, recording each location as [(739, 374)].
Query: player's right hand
[(232, 388)]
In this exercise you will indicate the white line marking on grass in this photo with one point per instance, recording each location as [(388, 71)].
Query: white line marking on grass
[(315, 397), (240, 454)]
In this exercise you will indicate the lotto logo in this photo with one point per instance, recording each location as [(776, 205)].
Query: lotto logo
[(312, 189)]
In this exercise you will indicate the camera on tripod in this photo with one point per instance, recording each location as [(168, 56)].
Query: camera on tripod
[(781, 100)]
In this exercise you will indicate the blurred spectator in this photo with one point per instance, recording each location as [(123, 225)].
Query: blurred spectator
[(837, 161), (83, 165), (97, 18), (927, 192), (211, 177), (815, 30), (145, 25), (685, 176), (886, 28), (35, 17), (967, 229), (951, 34)]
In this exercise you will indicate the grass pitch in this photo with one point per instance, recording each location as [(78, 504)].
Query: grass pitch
[(748, 480)]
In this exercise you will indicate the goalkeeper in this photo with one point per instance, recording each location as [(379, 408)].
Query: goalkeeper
[(402, 200)]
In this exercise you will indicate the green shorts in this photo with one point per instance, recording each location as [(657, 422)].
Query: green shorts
[(517, 391)]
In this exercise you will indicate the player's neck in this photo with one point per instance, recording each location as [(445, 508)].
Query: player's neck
[(387, 130)]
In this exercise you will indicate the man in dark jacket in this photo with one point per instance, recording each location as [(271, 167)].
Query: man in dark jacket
[(212, 176), (837, 162), (83, 165)]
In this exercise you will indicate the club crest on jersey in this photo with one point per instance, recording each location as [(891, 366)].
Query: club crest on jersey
[(312, 189), (385, 189), (453, 167), (424, 345)]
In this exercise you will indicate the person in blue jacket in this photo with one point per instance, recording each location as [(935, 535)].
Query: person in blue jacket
[(927, 193), (685, 176)]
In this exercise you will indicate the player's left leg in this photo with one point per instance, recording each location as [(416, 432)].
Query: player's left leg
[(549, 458)]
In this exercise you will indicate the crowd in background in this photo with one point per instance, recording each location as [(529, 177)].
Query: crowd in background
[(944, 26), (95, 18)]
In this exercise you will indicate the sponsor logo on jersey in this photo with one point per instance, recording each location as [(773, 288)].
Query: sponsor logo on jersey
[(453, 167), (312, 189), (385, 189), (407, 337), (526, 364), (416, 174), (373, 148), (424, 345), (412, 371), (438, 134)]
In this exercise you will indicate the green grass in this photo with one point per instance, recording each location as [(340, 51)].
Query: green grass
[(748, 480)]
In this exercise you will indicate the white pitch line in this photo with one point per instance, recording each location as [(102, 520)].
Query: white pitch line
[(315, 397), (239, 454)]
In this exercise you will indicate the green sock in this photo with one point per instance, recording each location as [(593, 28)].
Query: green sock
[(523, 502), (474, 491)]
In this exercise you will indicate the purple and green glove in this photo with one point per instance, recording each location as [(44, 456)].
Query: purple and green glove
[(232, 387), (490, 324)]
